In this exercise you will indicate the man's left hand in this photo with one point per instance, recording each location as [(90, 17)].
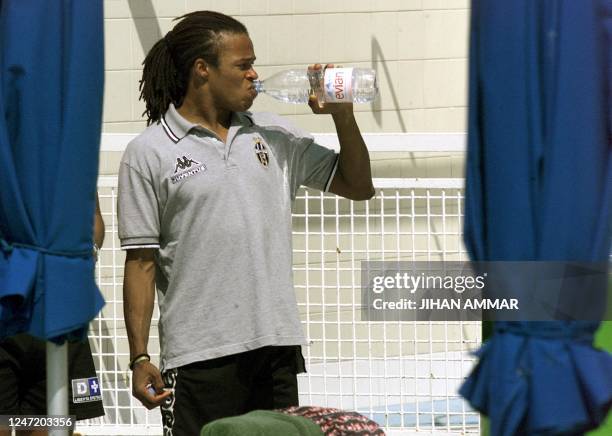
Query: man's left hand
[(335, 109)]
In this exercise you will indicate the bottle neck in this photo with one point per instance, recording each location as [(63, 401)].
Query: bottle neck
[(259, 86)]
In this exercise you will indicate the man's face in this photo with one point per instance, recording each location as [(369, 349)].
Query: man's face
[(231, 83)]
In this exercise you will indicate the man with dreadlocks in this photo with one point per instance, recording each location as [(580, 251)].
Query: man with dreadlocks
[(205, 216)]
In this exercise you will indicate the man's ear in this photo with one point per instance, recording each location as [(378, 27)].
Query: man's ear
[(201, 68)]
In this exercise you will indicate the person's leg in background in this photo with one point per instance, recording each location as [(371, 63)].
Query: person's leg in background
[(23, 381)]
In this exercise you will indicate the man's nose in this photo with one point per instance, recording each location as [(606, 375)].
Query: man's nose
[(252, 74)]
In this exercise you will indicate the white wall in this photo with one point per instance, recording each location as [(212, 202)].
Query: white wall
[(418, 47)]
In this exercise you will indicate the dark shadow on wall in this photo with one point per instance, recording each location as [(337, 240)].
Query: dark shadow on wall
[(378, 60), (145, 19), (380, 66)]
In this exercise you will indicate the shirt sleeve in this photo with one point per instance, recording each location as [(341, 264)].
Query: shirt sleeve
[(315, 165), (137, 210), (309, 164)]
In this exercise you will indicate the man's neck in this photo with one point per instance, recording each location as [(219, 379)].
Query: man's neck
[(212, 119)]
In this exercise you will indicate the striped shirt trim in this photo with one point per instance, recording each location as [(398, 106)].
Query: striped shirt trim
[(169, 131), (333, 173), (131, 247)]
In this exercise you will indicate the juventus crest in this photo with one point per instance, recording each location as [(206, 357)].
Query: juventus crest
[(261, 152)]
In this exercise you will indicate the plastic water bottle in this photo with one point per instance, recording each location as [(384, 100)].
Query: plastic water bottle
[(332, 85)]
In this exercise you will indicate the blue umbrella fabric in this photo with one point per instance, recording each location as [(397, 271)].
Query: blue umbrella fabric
[(51, 87), (539, 188)]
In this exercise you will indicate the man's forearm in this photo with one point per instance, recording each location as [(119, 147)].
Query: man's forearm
[(353, 170), (353, 177), (98, 235), (138, 301)]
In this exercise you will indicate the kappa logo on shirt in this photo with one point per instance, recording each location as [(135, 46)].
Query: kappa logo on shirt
[(186, 167), (261, 151)]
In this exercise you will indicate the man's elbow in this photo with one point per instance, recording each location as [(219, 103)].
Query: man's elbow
[(357, 191), (362, 195)]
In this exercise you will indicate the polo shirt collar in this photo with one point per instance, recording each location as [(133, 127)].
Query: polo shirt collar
[(177, 127), (244, 119)]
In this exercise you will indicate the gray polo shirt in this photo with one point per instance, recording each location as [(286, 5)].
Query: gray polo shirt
[(220, 215)]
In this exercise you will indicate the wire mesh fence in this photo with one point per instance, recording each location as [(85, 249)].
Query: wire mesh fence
[(404, 375)]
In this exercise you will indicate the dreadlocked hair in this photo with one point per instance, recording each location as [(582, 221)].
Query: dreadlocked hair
[(168, 64)]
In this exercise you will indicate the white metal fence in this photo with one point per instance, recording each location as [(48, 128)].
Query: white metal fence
[(404, 375)]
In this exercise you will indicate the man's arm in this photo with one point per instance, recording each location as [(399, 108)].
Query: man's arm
[(138, 301), (353, 177), (98, 235)]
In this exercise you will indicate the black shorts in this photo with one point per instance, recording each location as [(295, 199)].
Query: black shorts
[(23, 378), (265, 378)]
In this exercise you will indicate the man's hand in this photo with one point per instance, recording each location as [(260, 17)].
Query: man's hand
[(144, 377), (353, 177), (335, 109)]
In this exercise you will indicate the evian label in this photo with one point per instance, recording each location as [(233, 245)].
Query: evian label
[(337, 85)]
